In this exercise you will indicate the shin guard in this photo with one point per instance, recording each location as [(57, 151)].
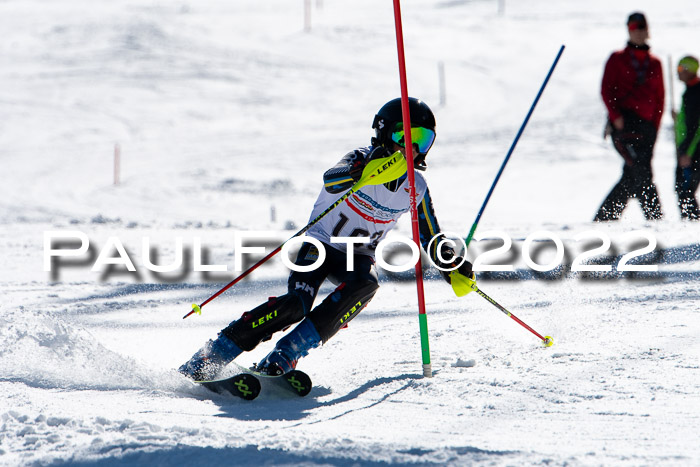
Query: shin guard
[(263, 321), (346, 302)]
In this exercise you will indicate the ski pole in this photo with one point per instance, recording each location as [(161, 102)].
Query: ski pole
[(376, 172), (546, 340), (512, 148)]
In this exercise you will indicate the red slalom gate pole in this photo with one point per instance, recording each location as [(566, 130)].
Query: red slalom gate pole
[(422, 317)]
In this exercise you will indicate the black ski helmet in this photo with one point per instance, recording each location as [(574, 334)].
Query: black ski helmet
[(390, 118)]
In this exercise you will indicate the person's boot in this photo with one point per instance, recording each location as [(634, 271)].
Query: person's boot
[(290, 349), (210, 359)]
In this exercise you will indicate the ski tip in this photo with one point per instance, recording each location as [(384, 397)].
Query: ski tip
[(243, 385), (299, 381)]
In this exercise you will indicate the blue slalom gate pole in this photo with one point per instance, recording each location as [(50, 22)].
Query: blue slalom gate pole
[(512, 148)]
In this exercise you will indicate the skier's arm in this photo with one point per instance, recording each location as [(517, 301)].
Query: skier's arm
[(342, 176), (660, 95), (609, 88), (348, 171), (689, 145), (428, 228)]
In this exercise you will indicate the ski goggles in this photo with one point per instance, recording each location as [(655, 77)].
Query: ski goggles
[(421, 137)]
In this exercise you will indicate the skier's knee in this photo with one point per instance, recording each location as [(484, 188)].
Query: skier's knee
[(346, 302), (262, 322)]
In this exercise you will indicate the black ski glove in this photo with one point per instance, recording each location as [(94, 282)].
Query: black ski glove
[(359, 163), (462, 279), (465, 269), (357, 166), (448, 253)]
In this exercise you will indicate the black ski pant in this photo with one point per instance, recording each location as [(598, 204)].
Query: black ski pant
[(687, 181), (635, 143), (353, 292), (354, 288)]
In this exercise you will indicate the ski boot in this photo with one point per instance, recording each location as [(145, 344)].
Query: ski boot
[(210, 359), (289, 350)]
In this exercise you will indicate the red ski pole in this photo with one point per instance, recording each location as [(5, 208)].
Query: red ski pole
[(546, 340)]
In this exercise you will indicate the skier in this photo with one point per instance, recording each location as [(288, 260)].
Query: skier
[(633, 92), (687, 139), (371, 212)]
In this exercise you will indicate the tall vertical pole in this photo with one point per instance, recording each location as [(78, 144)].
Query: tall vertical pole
[(307, 15), (512, 147), (501, 7), (441, 79), (422, 317), (117, 163)]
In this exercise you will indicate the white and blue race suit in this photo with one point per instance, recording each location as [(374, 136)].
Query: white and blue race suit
[(370, 212)]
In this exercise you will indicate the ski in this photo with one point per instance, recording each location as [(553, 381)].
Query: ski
[(243, 385), (247, 384), (297, 381)]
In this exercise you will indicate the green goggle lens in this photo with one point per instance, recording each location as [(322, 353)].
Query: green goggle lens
[(421, 137)]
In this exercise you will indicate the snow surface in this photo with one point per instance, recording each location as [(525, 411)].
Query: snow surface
[(227, 114)]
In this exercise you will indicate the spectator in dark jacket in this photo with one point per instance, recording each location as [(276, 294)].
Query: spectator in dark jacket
[(688, 139), (633, 92)]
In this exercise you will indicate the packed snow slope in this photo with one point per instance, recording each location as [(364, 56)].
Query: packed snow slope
[(226, 115)]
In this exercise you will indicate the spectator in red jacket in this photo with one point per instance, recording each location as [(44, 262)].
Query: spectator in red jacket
[(633, 92)]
